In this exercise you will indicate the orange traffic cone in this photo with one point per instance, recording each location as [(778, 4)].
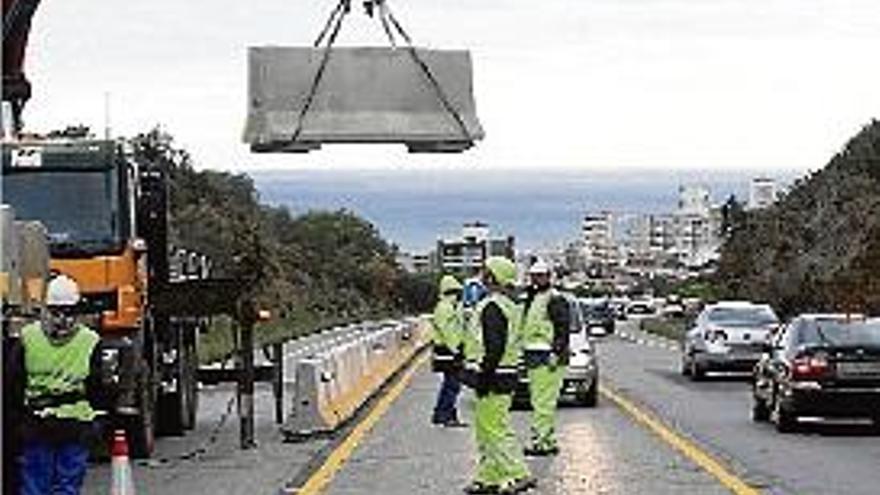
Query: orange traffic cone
[(122, 481)]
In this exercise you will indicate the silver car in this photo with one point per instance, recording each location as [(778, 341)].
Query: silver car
[(727, 336)]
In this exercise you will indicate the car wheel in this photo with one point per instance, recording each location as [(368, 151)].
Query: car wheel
[(875, 424), (760, 410), (685, 366), (785, 421), (590, 397), (698, 373)]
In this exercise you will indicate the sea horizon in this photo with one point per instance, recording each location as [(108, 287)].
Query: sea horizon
[(542, 209)]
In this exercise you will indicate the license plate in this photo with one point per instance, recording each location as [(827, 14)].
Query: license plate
[(870, 369)]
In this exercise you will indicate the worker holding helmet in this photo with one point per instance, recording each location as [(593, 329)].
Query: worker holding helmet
[(58, 389), (491, 356), (448, 325), (545, 351)]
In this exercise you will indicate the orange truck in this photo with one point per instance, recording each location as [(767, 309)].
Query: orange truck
[(105, 213)]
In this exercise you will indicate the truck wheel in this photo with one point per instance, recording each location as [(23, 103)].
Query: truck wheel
[(177, 409), (192, 382), (141, 428)]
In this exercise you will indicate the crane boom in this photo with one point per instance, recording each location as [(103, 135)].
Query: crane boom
[(17, 16)]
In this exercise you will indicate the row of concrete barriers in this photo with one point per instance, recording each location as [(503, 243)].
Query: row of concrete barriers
[(345, 370)]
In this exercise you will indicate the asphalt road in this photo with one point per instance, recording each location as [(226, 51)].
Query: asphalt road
[(604, 450), (821, 459), (221, 467)]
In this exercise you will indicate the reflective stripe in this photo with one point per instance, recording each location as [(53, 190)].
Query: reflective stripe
[(506, 371), (538, 347)]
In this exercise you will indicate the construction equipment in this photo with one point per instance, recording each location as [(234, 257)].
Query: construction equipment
[(17, 15), (106, 216), (24, 269), (302, 97)]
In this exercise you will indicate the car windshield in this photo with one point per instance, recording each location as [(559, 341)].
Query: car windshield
[(47, 196), (841, 333), (745, 316)]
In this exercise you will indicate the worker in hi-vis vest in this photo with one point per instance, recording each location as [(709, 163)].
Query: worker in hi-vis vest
[(57, 387), (545, 351), (492, 353), (447, 338)]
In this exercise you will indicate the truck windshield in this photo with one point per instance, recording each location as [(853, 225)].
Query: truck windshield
[(78, 207)]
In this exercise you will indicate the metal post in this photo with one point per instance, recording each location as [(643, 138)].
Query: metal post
[(278, 383), (246, 380)]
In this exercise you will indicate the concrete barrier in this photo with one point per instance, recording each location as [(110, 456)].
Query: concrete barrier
[(347, 369), (366, 95)]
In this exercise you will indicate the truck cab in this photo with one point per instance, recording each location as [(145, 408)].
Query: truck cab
[(83, 191)]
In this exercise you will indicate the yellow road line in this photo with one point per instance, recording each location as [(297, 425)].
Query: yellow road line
[(703, 459), (319, 480)]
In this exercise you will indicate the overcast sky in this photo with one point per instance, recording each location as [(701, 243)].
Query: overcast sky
[(591, 84)]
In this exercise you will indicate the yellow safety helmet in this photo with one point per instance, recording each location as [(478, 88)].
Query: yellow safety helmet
[(449, 284), (502, 269)]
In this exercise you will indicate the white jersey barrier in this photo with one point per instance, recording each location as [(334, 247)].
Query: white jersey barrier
[(344, 372)]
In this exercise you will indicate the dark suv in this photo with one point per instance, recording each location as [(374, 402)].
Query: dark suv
[(598, 315), (819, 366)]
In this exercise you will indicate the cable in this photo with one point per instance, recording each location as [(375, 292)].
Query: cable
[(383, 17), (195, 454), (336, 18), (427, 70), (339, 7), (343, 8)]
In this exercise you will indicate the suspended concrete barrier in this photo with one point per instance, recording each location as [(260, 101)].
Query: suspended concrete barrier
[(301, 97)]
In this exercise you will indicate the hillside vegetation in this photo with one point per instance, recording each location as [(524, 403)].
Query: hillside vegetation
[(311, 269), (818, 248)]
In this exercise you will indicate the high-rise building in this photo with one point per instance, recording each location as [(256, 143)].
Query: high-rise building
[(762, 193), (597, 233), (694, 200), (465, 255), (695, 225)]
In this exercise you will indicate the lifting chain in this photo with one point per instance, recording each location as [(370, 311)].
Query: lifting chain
[(333, 26)]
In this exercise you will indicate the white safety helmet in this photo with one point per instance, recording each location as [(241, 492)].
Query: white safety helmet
[(539, 267), (62, 291)]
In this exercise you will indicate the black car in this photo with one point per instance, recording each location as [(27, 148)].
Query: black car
[(819, 366), (598, 315)]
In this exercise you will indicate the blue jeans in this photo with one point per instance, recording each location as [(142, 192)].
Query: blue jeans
[(446, 408), (48, 469)]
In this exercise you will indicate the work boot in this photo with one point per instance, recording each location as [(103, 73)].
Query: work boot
[(535, 451), (525, 484), (455, 423), (479, 488)]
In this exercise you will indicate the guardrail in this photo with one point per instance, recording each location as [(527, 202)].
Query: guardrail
[(343, 372)]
